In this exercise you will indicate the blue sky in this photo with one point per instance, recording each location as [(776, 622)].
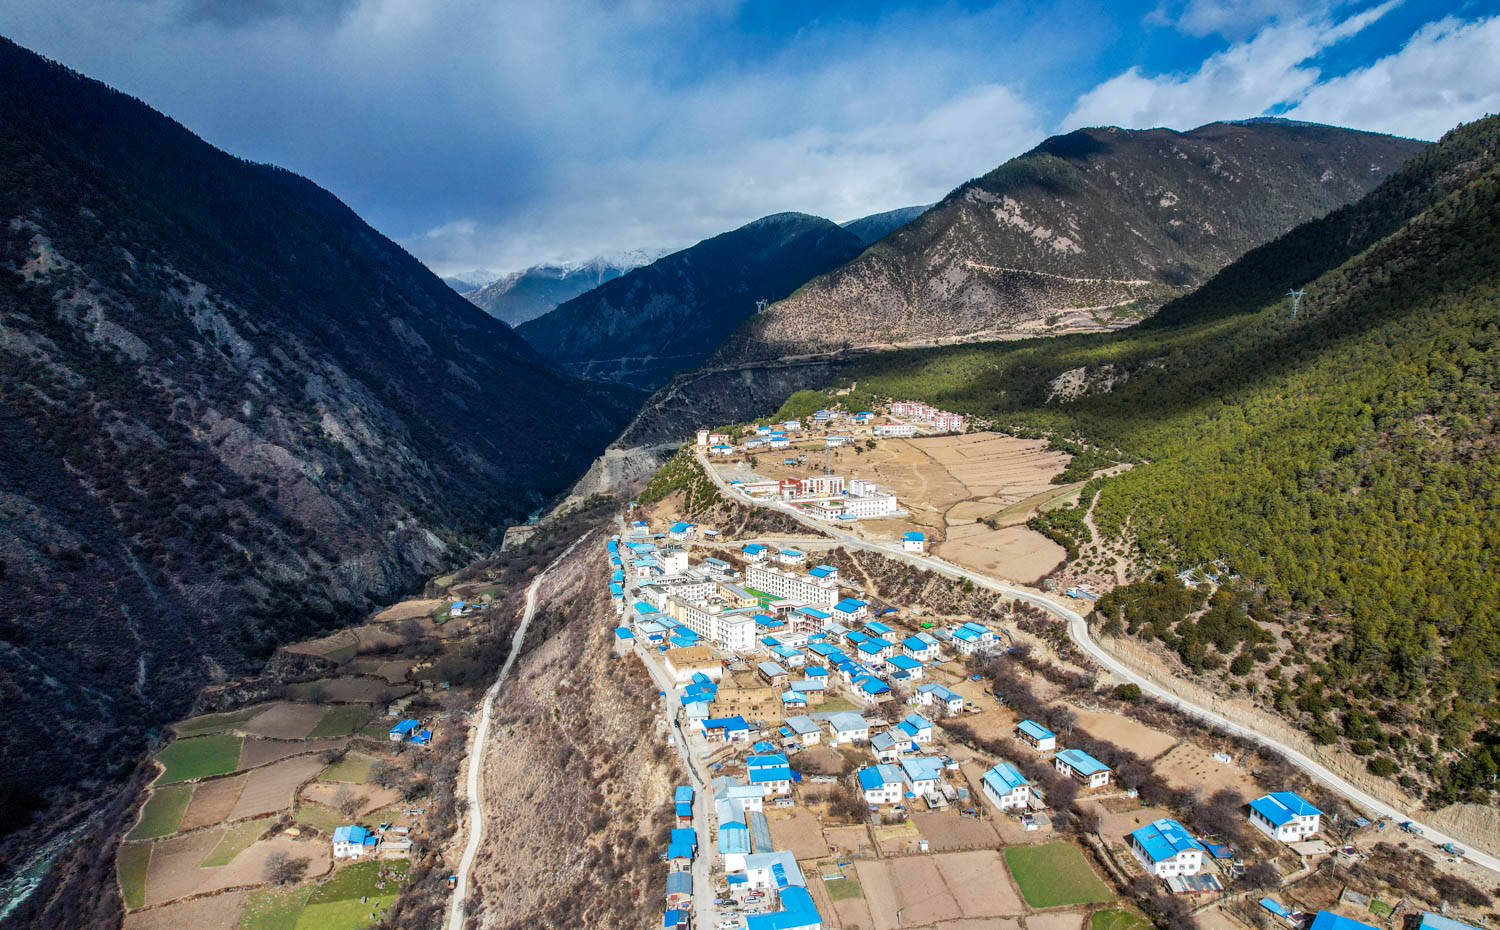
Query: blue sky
[(482, 134)]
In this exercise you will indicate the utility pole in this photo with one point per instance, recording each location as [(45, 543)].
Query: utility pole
[(760, 305), (1296, 297)]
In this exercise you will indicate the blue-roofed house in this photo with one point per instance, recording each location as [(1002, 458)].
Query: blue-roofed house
[(922, 647), (847, 727), (973, 638), (905, 668), (1431, 921), (1328, 920), (1007, 787), (353, 842), (887, 747), (804, 730), (914, 541), (882, 784), (730, 729), (1082, 767), (405, 729), (867, 689), (876, 628), (755, 552), (824, 572), (1285, 816), (916, 728), (774, 673), (923, 774), (790, 556), (679, 889), (932, 694), (1039, 737), (797, 913), (682, 802), (681, 530), (875, 649), (1166, 848), (850, 610), (770, 772)]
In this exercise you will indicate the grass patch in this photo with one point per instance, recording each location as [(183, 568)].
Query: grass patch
[(215, 723), (348, 914), (378, 727), (1380, 909), (340, 721), (1119, 918), (199, 757), (162, 812), (842, 889), (360, 879), (354, 768), (236, 840), (836, 704), (319, 817), (343, 653), (131, 865), (274, 908), (1054, 874)]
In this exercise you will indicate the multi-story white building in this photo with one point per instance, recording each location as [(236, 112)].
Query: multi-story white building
[(1285, 816), (792, 586), (943, 420), (1007, 787), (729, 628), (1166, 849), (882, 784), (895, 430)]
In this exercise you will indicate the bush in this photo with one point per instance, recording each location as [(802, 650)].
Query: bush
[(1383, 766), (1130, 691)]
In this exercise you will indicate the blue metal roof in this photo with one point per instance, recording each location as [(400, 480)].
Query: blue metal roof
[(1431, 921), (1004, 778), (683, 793), (1081, 762), (1280, 807), (1328, 920), (762, 775), (406, 726), (1035, 730), (1162, 839), (849, 605), (914, 536)]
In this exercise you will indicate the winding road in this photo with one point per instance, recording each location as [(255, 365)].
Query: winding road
[(1078, 631), (476, 751)]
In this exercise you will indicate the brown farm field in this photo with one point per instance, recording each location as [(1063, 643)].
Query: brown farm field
[(410, 610), (284, 720), (938, 889), (797, 830), (216, 912), (269, 790), (948, 830), (260, 751), (1191, 766), (1125, 733), (212, 801)]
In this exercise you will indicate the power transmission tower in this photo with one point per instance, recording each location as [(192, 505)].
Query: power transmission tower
[(1296, 297), (760, 305)]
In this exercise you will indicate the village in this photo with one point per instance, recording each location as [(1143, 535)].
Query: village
[(859, 764)]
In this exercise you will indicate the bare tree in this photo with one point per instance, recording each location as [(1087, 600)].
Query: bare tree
[(347, 802), (282, 869)]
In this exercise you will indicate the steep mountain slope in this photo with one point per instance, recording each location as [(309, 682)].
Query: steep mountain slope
[(1086, 230), (1338, 467), (671, 314), (526, 295), (877, 226), (232, 413)]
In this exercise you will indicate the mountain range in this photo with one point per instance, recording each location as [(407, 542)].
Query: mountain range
[(1091, 229), (877, 226), (525, 295), (233, 413), (673, 313)]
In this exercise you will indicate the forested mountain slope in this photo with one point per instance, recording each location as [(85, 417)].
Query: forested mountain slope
[(1085, 230), (877, 226), (232, 412), (1342, 463), (670, 315)]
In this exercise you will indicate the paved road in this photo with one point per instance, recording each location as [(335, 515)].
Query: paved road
[(476, 753), (705, 914), (1078, 631)]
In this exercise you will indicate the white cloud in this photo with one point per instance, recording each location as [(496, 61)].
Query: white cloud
[(1236, 19), (1246, 79), (1447, 73)]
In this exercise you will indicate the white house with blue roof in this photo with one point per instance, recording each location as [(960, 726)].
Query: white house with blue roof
[(1082, 767), (922, 647), (916, 728), (923, 774), (1007, 787), (905, 668), (1167, 849), (824, 572), (1285, 816), (1039, 737), (882, 784), (973, 638), (755, 552), (933, 694), (850, 610), (353, 842), (914, 541), (770, 772)]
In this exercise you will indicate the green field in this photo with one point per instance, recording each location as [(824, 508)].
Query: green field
[(354, 767), (319, 817), (131, 863), (198, 757), (1055, 874), (215, 723), (340, 721), (1119, 918), (162, 812), (841, 889), (274, 908), (236, 840), (347, 914)]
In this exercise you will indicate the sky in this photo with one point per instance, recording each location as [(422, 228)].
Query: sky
[(483, 134)]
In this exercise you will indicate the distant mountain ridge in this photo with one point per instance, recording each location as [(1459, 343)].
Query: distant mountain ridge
[(1088, 229), (233, 413), (672, 314), (877, 226), (527, 294)]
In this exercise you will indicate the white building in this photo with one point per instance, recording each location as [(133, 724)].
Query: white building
[(882, 784), (922, 647), (1007, 787), (353, 842), (973, 639), (914, 541), (934, 694), (730, 628), (1082, 767), (896, 430), (1285, 816), (791, 586), (1166, 849)]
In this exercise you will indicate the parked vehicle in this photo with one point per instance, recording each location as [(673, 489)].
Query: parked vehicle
[(1409, 827), (1453, 849)]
